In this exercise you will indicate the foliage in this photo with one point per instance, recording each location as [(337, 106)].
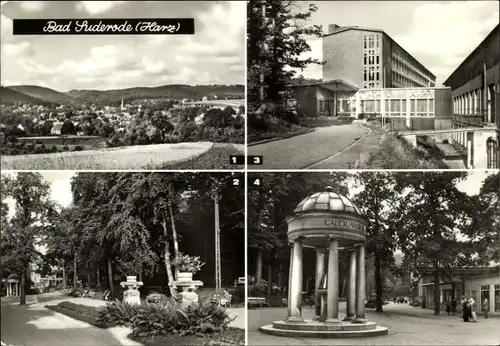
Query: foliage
[(258, 289), (118, 313), (34, 213), (188, 263), (435, 223), (374, 200), (276, 43), (202, 317), (83, 313)]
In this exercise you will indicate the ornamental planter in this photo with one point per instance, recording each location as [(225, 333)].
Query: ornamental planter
[(185, 277)]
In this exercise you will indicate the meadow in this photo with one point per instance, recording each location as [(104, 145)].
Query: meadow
[(132, 157)]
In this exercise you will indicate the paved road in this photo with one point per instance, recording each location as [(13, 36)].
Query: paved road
[(407, 326), (305, 150), (33, 325)]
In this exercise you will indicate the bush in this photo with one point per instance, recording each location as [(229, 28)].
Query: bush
[(65, 148), (118, 313), (258, 289), (202, 317), (78, 148)]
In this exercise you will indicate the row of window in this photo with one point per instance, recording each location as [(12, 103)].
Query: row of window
[(371, 41), (400, 80), (399, 64), (371, 73), (394, 108), (371, 57)]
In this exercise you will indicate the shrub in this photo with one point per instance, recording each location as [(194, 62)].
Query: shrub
[(78, 148), (54, 149), (83, 313), (118, 313), (188, 263), (202, 317), (258, 289), (65, 148)]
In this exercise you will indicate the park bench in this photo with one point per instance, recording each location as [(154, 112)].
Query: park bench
[(225, 301), (257, 301)]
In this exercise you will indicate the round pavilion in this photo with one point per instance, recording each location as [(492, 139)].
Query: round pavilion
[(327, 222)]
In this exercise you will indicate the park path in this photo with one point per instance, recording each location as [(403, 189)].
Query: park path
[(33, 325), (308, 149), (407, 326)]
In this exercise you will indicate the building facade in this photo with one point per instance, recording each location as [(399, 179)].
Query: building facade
[(475, 86), (369, 58), (476, 283)]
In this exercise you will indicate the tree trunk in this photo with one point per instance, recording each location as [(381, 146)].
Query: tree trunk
[(23, 287), (98, 278), (269, 280), (168, 265), (378, 283), (174, 237), (89, 277), (437, 300), (75, 276), (64, 275), (258, 269), (110, 280), (378, 268)]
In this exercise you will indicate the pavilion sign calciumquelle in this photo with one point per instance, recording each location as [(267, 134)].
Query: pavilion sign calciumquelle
[(328, 223)]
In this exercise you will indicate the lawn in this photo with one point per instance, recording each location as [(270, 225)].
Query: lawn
[(216, 158), (132, 157)]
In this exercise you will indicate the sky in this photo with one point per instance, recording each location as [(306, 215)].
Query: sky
[(439, 34), (215, 54)]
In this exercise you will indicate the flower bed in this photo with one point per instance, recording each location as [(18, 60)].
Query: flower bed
[(82, 313)]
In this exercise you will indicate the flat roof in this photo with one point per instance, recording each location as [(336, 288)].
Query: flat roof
[(469, 57), (324, 83), (343, 29)]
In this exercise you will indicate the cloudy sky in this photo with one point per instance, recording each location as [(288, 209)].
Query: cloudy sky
[(439, 34), (214, 55)]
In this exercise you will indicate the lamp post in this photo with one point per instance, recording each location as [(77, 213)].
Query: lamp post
[(218, 278)]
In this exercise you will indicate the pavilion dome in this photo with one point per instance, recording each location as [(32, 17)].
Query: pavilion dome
[(13, 277), (327, 200)]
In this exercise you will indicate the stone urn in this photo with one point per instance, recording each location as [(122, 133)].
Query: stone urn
[(132, 295)]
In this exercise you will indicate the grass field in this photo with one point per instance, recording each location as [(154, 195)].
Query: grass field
[(216, 158), (133, 157)]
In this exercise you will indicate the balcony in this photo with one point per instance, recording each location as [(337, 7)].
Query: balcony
[(475, 120)]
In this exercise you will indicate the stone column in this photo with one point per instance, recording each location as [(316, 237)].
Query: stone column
[(289, 287), (295, 303), (351, 287), (360, 285), (333, 282), (320, 272), (8, 289)]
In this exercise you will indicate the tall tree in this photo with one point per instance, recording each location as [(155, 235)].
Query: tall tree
[(375, 199), (433, 221), (21, 236), (277, 33)]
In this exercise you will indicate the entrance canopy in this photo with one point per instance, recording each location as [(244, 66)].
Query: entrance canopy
[(332, 85)]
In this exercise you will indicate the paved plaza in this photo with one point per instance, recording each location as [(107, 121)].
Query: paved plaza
[(407, 326), (34, 325)]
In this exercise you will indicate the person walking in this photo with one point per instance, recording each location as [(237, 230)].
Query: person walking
[(465, 313), (448, 307), (473, 310), (486, 307), (453, 306)]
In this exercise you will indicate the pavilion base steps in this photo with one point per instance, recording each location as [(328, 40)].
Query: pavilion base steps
[(314, 329)]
